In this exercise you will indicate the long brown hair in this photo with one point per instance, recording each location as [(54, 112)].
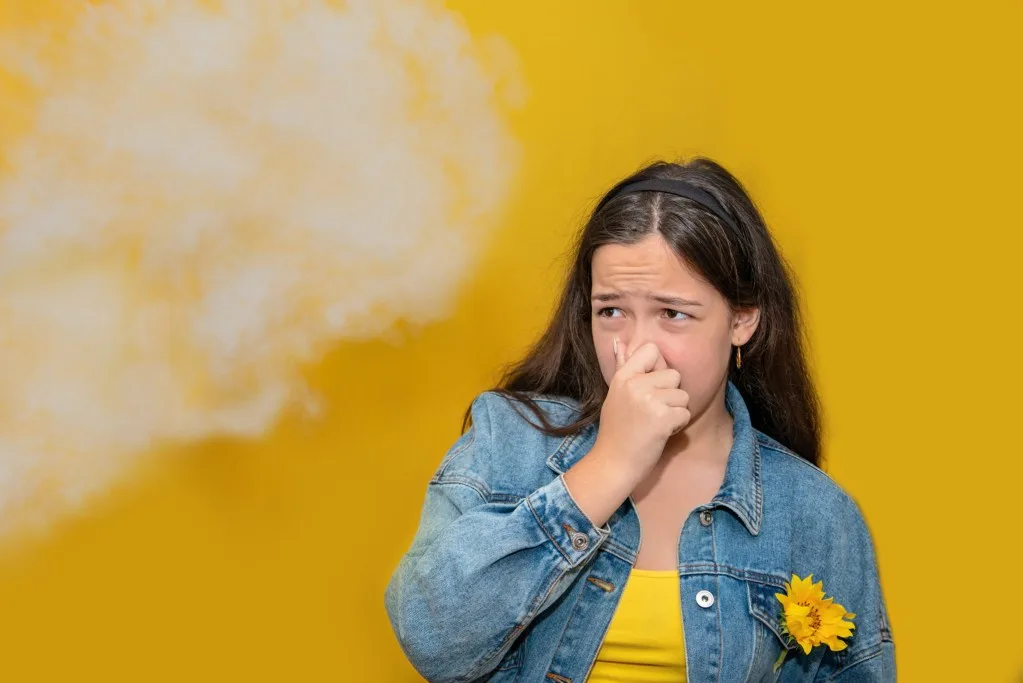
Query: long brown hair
[(745, 267)]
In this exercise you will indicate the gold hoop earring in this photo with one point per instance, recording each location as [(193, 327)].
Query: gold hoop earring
[(738, 357)]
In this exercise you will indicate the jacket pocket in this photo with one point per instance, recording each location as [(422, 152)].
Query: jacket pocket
[(770, 639)]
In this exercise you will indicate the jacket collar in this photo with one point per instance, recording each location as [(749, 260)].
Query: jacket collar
[(742, 488)]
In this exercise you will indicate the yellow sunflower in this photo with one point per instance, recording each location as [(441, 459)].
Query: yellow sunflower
[(812, 619)]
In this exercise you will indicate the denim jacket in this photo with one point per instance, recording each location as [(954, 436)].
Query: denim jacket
[(507, 580)]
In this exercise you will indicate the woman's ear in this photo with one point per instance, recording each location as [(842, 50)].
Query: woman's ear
[(744, 324)]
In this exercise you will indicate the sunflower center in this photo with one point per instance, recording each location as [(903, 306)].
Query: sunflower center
[(815, 616)]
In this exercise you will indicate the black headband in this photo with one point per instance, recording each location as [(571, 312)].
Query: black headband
[(678, 188)]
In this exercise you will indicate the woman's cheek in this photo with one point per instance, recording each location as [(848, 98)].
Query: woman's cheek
[(677, 359), (607, 367), (605, 357)]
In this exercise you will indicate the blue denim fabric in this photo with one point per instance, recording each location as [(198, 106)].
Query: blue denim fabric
[(507, 580)]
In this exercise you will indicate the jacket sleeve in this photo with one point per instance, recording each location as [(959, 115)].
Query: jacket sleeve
[(870, 657), (480, 567)]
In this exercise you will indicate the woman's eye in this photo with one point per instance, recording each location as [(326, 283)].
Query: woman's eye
[(670, 313)]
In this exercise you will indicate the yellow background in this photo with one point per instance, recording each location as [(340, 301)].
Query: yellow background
[(881, 140)]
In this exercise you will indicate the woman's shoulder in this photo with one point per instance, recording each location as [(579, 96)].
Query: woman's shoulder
[(504, 449), (506, 411), (777, 456), (804, 488)]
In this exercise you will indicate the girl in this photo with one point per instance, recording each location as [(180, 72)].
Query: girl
[(640, 497)]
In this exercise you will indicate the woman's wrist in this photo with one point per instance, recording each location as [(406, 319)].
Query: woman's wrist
[(599, 483)]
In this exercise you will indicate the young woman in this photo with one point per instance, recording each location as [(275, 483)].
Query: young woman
[(640, 497)]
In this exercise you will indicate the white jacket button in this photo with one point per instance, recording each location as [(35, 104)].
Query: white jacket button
[(705, 599)]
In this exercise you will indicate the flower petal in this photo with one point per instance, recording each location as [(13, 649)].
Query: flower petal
[(835, 644)]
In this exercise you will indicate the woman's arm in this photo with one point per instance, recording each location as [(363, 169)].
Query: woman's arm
[(478, 572), (870, 657)]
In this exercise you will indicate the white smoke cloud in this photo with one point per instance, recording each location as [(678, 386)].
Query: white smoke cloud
[(208, 198)]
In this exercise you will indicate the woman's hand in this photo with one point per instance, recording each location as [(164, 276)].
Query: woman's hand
[(644, 407)]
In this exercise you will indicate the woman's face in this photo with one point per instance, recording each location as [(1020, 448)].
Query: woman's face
[(644, 293)]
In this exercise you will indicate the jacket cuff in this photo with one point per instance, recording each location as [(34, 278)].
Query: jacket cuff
[(565, 523)]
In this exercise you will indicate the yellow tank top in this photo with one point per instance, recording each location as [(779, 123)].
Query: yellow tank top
[(644, 641)]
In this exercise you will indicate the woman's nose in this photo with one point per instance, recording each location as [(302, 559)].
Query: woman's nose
[(636, 341)]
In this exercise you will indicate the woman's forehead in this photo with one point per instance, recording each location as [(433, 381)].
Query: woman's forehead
[(648, 266)]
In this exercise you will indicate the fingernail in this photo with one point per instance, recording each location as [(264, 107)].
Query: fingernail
[(616, 347)]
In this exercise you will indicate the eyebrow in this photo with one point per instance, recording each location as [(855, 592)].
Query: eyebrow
[(660, 298)]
